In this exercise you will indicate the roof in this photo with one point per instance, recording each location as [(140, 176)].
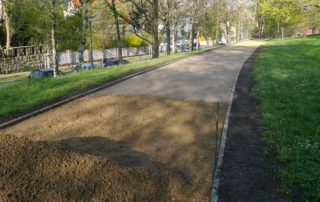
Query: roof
[(45, 70)]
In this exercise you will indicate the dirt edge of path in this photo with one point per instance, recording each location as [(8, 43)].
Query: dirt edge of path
[(245, 173), (19, 116)]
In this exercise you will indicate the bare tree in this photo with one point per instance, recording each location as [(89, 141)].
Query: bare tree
[(167, 7), (144, 16), (113, 8), (53, 38), (5, 8), (194, 21), (82, 40), (178, 19)]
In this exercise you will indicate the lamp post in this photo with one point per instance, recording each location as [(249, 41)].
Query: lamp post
[(91, 53)]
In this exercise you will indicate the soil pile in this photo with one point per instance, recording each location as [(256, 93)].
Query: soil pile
[(33, 171)]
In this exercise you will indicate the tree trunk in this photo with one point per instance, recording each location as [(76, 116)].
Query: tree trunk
[(238, 31), (207, 41), (82, 36), (174, 38), (278, 29), (226, 33), (191, 37), (262, 28), (7, 23), (314, 30), (197, 45), (116, 19), (168, 33), (217, 31), (53, 39), (155, 34), (155, 45)]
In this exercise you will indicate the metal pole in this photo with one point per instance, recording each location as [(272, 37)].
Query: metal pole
[(91, 53)]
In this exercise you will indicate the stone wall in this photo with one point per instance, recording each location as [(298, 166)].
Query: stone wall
[(25, 58)]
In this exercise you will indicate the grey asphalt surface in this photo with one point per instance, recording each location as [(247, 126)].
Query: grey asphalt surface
[(208, 77)]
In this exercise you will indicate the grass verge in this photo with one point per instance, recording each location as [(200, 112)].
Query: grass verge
[(13, 78), (23, 95), (288, 89)]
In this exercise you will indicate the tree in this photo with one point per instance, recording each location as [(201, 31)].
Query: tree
[(166, 11), (53, 38), (143, 16), (6, 11), (115, 12), (178, 19), (273, 14), (208, 28), (82, 40), (311, 8), (193, 7)]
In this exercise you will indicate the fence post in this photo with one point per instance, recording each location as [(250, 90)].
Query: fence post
[(70, 57), (305, 32), (116, 52)]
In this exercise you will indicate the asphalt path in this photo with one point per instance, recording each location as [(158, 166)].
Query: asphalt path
[(208, 77)]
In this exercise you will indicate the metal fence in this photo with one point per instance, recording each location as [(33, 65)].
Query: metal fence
[(69, 57), (293, 31)]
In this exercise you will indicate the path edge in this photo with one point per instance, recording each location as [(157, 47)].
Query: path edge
[(217, 174)]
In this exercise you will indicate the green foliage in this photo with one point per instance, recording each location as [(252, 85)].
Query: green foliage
[(289, 12), (68, 30), (102, 26), (31, 25), (287, 76), (29, 21), (133, 41)]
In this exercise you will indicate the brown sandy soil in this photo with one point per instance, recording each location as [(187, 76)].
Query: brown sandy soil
[(31, 171), (120, 148)]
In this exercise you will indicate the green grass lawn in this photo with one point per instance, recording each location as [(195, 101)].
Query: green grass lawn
[(288, 89), (12, 78), (143, 57), (26, 94)]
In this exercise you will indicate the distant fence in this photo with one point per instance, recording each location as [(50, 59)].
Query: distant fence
[(293, 31), (68, 57)]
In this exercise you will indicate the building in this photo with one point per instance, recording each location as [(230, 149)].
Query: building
[(72, 8)]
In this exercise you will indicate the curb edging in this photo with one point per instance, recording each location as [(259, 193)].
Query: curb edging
[(216, 184)]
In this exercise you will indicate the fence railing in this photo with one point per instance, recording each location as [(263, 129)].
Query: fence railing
[(293, 31), (69, 57)]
